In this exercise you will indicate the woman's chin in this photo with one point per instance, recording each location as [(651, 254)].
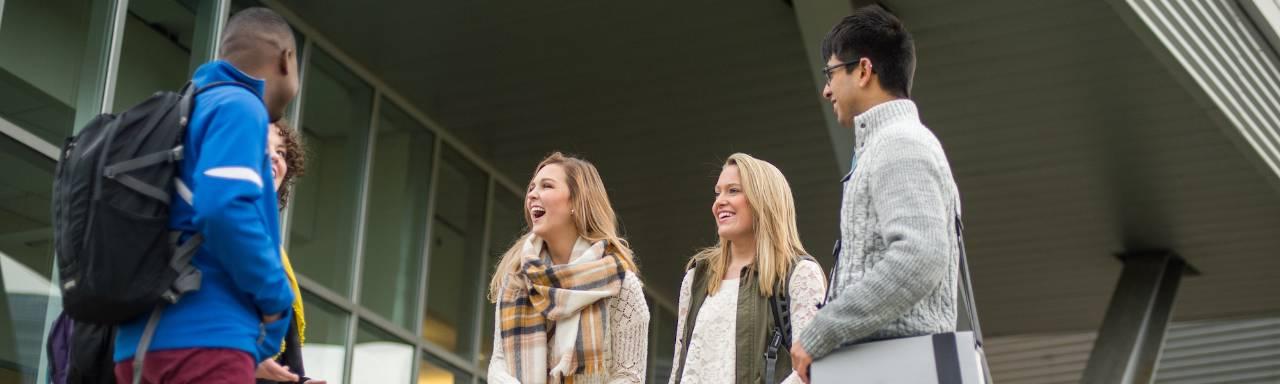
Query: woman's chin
[(728, 233), (542, 229)]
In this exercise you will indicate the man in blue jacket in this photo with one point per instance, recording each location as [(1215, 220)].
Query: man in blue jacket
[(224, 191)]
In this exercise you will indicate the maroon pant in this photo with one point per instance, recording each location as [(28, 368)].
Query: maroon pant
[(197, 365)]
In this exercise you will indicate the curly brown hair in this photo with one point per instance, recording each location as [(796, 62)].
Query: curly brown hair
[(295, 157)]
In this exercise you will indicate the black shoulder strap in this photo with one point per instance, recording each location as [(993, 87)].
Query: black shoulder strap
[(780, 336), (781, 303), (190, 90), (216, 84), (188, 93)]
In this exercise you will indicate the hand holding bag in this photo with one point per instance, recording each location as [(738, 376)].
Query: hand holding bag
[(945, 358)]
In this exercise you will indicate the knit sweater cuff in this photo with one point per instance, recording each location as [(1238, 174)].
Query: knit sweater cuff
[(817, 339)]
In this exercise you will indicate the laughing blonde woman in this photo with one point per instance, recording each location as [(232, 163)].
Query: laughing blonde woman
[(570, 307), (757, 279)]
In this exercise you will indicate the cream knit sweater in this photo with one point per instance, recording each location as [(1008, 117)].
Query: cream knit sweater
[(628, 328)]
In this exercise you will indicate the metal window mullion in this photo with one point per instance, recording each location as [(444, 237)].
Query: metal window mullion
[(28, 139), (424, 269), (119, 13), (385, 325), (366, 178), (211, 18), (452, 359), (357, 244), (295, 122), (303, 70), (482, 282), (319, 290), (98, 60)]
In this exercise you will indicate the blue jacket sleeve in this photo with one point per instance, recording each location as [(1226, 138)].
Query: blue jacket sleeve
[(228, 186)]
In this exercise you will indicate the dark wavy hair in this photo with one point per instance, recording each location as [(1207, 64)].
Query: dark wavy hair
[(295, 157)]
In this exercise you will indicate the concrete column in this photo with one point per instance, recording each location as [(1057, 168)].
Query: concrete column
[(815, 18), (1128, 346)]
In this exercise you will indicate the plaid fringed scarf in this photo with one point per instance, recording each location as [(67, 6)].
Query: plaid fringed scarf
[(566, 302)]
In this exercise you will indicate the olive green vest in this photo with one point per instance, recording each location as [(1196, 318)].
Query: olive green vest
[(753, 328)]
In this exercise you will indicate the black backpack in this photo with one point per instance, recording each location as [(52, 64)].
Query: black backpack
[(117, 257)]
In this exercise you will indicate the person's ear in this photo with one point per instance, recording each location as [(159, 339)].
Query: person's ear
[(285, 56), (864, 75)]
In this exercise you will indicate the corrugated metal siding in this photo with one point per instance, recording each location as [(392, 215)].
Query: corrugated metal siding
[(1224, 55), (1227, 351), (1072, 141)]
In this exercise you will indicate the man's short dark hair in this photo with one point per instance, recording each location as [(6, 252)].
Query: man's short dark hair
[(874, 33), (254, 34)]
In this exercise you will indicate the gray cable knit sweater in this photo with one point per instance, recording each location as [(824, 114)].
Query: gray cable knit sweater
[(895, 275)]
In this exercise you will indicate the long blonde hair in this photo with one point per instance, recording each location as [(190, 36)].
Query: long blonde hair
[(595, 219), (773, 213)]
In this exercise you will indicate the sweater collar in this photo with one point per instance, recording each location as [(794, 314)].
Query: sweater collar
[(885, 114), (222, 71)]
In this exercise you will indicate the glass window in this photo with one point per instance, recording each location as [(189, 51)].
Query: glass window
[(156, 52), (457, 234), (431, 371), (324, 350), (335, 126), (44, 48), (396, 220), (26, 258), (505, 225), (380, 357)]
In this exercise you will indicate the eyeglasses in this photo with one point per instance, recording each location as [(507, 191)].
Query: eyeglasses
[(831, 68)]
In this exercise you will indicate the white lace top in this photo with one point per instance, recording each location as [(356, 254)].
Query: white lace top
[(711, 348), (628, 340)]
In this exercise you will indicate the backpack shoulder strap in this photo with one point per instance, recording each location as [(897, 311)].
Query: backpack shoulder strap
[(781, 304), (216, 84), (190, 90), (780, 337)]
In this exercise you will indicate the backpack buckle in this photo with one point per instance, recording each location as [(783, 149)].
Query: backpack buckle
[(175, 154), (775, 343)]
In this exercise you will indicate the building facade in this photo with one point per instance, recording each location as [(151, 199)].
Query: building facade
[(393, 231), (1076, 130)]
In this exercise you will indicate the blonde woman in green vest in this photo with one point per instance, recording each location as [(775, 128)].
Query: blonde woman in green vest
[(743, 297)]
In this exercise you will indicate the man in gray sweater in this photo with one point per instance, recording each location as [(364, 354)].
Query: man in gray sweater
[(896, 262)]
